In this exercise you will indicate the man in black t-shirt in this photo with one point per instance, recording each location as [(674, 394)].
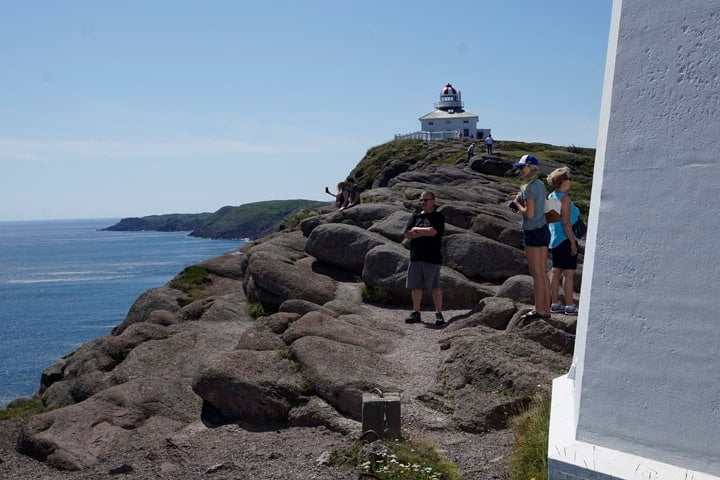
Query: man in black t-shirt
[(425, 230)]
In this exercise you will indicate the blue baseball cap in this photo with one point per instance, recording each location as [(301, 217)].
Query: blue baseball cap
[(526, 160)]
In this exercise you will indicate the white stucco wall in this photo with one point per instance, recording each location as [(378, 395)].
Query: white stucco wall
[(647, 362), (443, 124)]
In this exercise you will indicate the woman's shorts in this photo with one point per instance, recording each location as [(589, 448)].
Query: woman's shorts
[(561, 257), (423, 275), (540, 237)]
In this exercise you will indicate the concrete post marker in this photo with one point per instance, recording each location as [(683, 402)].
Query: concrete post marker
[(381, 414)]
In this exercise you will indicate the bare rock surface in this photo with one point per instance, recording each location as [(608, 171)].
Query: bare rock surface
[(441, 374), (192, 386)]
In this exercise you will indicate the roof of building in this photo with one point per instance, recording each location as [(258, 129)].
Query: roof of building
[(442, 114), (448, 90)]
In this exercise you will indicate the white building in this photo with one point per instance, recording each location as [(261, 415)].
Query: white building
[(449, 119)]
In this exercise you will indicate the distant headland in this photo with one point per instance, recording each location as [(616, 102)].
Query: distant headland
[(251, 220)]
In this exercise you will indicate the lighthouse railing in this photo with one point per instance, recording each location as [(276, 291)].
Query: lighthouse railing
[(428, 135)]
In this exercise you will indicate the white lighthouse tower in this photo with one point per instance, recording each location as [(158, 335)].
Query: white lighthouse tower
[(450, 119)]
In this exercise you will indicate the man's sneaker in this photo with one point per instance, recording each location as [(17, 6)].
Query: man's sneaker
[(557, 308), (413, 318), (571, 310), (439, 320)]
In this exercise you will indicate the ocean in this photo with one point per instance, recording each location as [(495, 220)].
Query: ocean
[(63, 283)]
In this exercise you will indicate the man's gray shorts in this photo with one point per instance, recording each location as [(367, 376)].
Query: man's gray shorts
[(423, 275)]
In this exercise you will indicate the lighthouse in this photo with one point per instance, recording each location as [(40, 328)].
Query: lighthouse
[(450, 119)]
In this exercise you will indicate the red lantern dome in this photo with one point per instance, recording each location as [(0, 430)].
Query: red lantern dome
[(448, 90)]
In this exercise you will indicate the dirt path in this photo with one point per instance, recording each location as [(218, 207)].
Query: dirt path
[(419, 353)]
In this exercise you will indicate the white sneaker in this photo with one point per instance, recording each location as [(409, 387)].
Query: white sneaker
[(571, 310)]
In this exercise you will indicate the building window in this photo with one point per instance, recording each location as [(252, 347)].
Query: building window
[(430, 123), (465, 121)]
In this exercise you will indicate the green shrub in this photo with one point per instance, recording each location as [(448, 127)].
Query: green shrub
[(293, 220), (191, 281), (256, 309), (306, 386), (286, 354), (529, 454), (581, 150), (377, 157), (346, 456), (378, 295)]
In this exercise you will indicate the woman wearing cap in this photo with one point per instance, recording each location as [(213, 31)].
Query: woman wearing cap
[(530, 203), (563, 244)]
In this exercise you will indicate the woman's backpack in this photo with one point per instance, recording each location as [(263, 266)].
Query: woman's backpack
[(552, 209)]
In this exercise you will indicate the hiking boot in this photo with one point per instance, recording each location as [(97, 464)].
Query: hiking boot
[(439, 320), (557, 308), (571, 310), (413, 318)]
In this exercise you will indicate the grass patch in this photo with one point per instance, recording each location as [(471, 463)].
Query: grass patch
[(376, 158), (453, 158), (191, 281), (528, 458), (286, 354), (22, 408), (346, 456), (404, 460), (377, 295), (306, 386), (256, 309), (294, 220)]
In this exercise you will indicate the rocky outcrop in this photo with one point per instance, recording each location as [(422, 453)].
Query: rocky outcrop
[(280, 270), (340, 372), (315, 324), (248, 385), (342, 245), (482, 259), (72, 437), (487, 376), (280, 336)]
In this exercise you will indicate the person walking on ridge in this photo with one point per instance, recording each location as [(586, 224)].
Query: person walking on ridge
[(470, 150), (489, 144), (425, 230)]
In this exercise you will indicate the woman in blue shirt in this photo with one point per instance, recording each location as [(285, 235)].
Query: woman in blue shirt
[(530, 202), (563, 244)]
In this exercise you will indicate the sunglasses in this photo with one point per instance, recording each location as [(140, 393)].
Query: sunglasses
[(426, 199)]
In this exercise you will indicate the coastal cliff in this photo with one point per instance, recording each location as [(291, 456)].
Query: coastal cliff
[(254, 363)]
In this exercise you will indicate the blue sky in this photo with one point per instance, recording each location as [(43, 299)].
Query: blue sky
[(118, 109)]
